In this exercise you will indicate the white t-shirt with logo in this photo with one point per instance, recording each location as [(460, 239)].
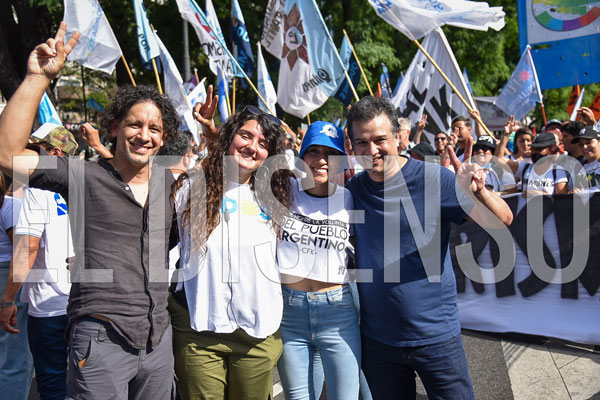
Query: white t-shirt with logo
[(44, 214), (541, 182), (315, 236), (233, 282)]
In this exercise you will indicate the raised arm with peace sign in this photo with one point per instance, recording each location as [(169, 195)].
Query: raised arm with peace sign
[(45, 62)]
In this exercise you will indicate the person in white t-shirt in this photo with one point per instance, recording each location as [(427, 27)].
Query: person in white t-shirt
[(42, 245), (313, 260), (589, 144), (226, 306)]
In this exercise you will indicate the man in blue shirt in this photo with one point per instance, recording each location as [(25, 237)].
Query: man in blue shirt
[(409, 318)]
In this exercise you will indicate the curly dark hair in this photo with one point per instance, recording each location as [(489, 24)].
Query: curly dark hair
[(207, 189), (128, 96), (370, 107)]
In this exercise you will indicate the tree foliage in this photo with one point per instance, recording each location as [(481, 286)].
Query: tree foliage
[(489, 57)]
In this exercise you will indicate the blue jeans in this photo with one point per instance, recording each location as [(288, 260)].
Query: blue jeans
[(16, 365), (49, 350), (323, 321), (442, 367)]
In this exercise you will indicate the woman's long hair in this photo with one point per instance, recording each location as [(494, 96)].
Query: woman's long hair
[(520, 132), (206, 180)]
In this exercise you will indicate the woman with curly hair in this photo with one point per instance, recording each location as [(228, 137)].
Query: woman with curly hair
[(227, 305)]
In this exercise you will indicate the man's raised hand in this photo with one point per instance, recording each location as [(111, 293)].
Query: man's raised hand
[(468, 174), (204, 113), (48, 58)]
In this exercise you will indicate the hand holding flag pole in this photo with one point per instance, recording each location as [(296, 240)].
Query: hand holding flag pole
[(359, 64)]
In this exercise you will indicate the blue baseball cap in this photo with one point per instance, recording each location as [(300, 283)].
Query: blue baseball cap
[(321, 133)]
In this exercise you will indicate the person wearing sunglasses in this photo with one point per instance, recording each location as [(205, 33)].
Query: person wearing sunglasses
[(496, 179), (226, 305)]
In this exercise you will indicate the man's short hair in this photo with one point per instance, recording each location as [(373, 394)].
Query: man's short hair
[(572, 128), (370, 107), (464, 119), (128, 96)]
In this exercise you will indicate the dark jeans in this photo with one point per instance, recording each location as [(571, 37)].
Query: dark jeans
[(49, 350), (442, 367), (103, 366)]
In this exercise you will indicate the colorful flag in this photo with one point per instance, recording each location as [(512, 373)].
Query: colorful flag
[(576, 106), (189, 85), (344, 92), (424, 90), (211, 41), (47, 112), (522, 90), (310, 65), (265, 85), (97, 47), (242, 47), (272, 36), (174, 89), (147, 43), (223, 91), (573, 98), (384, 79), (416, 18)]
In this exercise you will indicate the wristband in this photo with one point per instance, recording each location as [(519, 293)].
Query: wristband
[(6, 304)]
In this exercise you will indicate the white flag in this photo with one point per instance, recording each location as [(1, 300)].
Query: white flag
[(97, 47), (174, 89), (310, 65), (272, 36), (416, 18), (573, 116), (265, 85), (423, 90), (217, 55)]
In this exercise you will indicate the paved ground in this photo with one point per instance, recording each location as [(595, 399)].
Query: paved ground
[(519, 367)]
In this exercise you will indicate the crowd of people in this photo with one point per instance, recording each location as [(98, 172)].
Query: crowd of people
[(194, 271)]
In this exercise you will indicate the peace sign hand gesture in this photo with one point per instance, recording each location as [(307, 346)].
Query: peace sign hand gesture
[(469, 175), (47, 59)]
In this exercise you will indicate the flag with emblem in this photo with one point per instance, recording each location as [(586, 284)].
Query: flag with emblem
[(272, 35), (522, 91), (310, 65)]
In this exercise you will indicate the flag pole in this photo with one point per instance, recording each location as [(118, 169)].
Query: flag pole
[(362, 71), (196, 75), (544, 113), (157, 77), (226, 93), (308, 118), (466, 103), (128, 70), (84, 101), (235, 55)]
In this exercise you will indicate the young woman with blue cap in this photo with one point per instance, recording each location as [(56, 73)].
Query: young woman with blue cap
[(319, 316)]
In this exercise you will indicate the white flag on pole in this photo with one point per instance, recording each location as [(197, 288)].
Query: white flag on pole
[(416, 18), (174, 89), (573, 116), (272, 36), (217, 56), (198, 94), (423, 90), (265, 85), (97, 47)]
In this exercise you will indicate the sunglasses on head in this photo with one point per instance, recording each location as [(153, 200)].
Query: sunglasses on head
[(484, 148), (257, 111)]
